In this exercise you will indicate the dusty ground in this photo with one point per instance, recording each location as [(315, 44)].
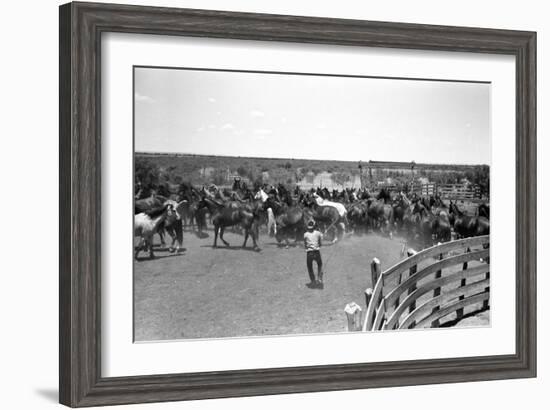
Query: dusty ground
[(225, 292), (228, 292)]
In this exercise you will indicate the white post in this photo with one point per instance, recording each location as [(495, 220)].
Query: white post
[(353, 314)]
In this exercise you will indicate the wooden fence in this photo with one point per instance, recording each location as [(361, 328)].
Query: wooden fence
[(455, 191), (426, 287), (448, 191)]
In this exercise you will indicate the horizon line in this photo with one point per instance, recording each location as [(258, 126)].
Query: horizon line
[(366, 162)]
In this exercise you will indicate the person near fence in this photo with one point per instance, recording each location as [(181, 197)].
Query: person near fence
[(312, 243)]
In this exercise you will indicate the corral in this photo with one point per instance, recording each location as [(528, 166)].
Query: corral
[(231, 292), (210, 290)]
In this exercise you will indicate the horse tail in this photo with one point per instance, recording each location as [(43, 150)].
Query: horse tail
[(271, 221), (346, 221), (178, 229)]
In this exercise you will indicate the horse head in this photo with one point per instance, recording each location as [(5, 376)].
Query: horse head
[(175, 209), (453, 208)]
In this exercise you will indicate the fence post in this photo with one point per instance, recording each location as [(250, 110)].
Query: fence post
[(368, 300), (460, 312), (375, 271), (486, 302), (368, 297), (353, 314), (412, 271), (437, 292)]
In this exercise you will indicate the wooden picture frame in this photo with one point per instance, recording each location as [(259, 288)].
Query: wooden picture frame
[(81, 27)]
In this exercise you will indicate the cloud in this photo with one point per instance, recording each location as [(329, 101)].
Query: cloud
[(143, 98), (211, 99), (321, 126), (257, 114), (227, 127)]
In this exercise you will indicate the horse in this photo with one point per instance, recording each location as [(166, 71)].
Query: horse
[(400, 208), (325, 202), (326, 215), (145, 204), (289, 220), (157, 201), (231, 214), (468, 226), (385, 195), (174, 226), (377, 216), (147, 223), (483, 210), (357, 216), (432, 226)]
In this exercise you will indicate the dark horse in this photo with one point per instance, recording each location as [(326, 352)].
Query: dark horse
[(231, 214), (385, 195), (289, 219), (401, 208), (151, 202), (357, 216), (377, 215), (468, 226), (483, 210)]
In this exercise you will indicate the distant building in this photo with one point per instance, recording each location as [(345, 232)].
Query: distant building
[(206, 172), (324, 180)]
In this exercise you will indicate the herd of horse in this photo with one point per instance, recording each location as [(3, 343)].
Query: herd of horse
[(285, 213)]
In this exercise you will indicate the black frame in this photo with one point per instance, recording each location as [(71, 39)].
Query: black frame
[(81, 26)]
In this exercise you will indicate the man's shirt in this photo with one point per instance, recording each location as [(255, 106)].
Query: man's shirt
[(312, 240)]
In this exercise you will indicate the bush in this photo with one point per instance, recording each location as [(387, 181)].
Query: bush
[(146, 172)]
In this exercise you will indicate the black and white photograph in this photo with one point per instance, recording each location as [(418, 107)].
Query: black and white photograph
[(272, 204)]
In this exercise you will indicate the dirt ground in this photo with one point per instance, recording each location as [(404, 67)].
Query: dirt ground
[(227, 292)]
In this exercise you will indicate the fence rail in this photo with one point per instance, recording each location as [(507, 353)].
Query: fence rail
[(448, 191), (426, 287)]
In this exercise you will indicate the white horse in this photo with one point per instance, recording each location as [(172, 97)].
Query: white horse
[(173, 224), (261, 195), (146, 224), (324, 202), (271, 222)]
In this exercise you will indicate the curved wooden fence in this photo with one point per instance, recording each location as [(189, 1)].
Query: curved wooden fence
[(426, 287)]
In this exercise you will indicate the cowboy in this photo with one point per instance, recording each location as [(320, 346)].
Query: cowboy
[(312, 243)]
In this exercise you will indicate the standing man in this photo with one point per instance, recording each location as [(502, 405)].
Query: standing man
[(312, 243)]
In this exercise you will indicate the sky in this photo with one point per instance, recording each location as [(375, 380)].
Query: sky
[(311, 117)]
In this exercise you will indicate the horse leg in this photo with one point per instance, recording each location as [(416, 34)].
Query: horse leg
[(162, 241), (246, 233), (176, 241), (216, 230), (222, 229), (139, 247), (335, 233), (254, 234), (342, 226), (173, 237), (199, 222), (150, 245)]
